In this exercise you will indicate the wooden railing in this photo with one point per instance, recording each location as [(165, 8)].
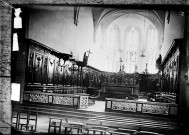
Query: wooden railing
[(141, 107), (75, 100)]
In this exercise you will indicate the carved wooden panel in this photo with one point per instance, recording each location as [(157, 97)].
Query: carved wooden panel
[(79, 79), (50, 99), (42, 98), (56, 72), (171, 70), (38, 68), (83, 102), (26, 97), (139, 107), (170, 77), (76, 101), (173, 110), (108, 105), (124, 106), (75, 81), (142, 107), (63, 100), (51, 65), (67, 76), (61, 71), (155, 109), (91, 102), (30, 67), (45, 70)]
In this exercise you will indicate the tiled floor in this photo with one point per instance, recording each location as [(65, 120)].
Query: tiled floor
[(43, 123), (43, 120), (99, 106)]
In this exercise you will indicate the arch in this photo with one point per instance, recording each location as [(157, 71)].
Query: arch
[(151, 42), (111, 42), (131, 47), (116, 28), (109, 15), (138, 30)]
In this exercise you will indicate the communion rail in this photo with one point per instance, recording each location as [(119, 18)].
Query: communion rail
[(73, 100), (141, 107)]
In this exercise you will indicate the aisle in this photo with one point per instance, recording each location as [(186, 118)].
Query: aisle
[(99, 106), (42, 125), (108, 118)]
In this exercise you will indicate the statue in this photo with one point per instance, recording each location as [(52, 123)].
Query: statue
[(120, 64), (159, 62), (136, 68), (122, 67), (85, 57)]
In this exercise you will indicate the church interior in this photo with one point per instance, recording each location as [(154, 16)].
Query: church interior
[(98, 70)]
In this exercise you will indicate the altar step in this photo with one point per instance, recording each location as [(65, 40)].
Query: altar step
[(111, 119), (42, 107)]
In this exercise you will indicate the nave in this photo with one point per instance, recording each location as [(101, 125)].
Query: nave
[(117, 123), (135, 71)]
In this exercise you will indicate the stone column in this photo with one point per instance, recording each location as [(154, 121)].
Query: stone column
[(5, 69)]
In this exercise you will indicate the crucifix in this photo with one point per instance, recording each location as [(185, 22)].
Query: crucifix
[(85, 57), (120, 60), (89, 52)]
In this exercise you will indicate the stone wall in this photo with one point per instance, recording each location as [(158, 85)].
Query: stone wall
[(5, 69)]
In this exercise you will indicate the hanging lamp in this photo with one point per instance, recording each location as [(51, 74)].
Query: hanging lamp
[(142, 55)]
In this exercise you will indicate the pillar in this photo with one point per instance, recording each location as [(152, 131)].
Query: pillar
[(5, 69)]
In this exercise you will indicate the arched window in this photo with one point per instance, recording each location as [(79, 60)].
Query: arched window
[(132, 40), (151, 43), (111, 43)]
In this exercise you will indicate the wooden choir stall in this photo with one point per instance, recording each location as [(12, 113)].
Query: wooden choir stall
[(56, 78), (53, 77), (161, 98)]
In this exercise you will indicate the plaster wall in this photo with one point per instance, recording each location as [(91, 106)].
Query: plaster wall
[(172, 30), (56, 29)]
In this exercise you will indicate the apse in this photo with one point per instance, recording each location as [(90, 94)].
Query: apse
[(134, 36), (131, 37)]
